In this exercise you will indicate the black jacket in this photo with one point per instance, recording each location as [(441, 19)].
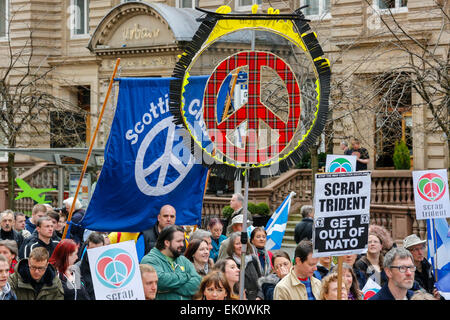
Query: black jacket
[(86, 278), (12, 235), (76, 231), (385, 294), (76, 290), (425, 279), (150, 237), (303, 230), (25, 250)]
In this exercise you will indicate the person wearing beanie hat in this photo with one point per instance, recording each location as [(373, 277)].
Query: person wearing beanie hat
[(424, 271)]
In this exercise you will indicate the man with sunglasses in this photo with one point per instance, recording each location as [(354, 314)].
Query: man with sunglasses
[(399, 267), (424, 271), (36, 279)]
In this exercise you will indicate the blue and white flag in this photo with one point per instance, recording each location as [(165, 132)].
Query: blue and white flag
[(276, 226), (439, 252), (147, 164)]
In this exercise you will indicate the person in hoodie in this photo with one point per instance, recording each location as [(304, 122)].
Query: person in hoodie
[(36, 279), (44, 228), (177, 277), (5, 289)]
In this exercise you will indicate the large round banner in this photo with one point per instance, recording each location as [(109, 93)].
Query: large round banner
[(262, 107)]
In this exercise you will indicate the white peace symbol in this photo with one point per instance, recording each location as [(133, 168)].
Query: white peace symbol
[(162, 163)]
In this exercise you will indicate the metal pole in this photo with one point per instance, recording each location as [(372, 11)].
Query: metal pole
[(244, 237), (60, 186)]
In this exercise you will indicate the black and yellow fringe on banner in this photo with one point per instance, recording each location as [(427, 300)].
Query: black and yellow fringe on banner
[(216, 25)]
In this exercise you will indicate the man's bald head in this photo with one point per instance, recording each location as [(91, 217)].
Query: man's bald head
[(166, 216)]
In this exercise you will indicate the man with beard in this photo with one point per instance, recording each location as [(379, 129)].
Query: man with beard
[(177, 277), (399, 267)]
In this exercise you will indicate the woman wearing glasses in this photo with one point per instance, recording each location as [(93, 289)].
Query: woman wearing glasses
[(281, 266), (371, 265)]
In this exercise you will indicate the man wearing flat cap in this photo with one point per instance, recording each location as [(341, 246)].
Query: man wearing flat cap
[(424, 271)]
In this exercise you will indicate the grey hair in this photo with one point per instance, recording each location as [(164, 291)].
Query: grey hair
[(11, 245), (200, 234), (5, 213), (394, 253), (69, 201), (239, 197), (345, 143), (306, 210)]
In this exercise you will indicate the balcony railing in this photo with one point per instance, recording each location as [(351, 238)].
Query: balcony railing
[(392, 196)]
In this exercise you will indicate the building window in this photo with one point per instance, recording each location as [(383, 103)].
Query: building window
[(4, 14), (392, 5), (393, 117), (186, 4), (246, 5), (71, 128), (79, 18), (317, 9)]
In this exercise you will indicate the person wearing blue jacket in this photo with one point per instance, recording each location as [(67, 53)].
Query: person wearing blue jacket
[(399, 267), (5, 289), (215, 226)]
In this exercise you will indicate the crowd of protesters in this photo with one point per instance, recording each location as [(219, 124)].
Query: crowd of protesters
[(35, 264)]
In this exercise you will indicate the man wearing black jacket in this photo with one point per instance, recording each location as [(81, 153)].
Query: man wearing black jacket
[(166, 217), (6, 231), (44, 229), (303, 229)]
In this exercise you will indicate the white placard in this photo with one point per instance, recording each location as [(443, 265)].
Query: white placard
[(341, 213), (431, 194), (340, 163), (115, 272)]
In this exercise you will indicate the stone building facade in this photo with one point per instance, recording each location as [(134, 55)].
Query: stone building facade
[(80, 41)]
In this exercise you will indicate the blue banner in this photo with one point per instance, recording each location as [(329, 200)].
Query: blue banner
[(147, 165)]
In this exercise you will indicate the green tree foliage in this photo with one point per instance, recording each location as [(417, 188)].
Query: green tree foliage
[(401, 156)]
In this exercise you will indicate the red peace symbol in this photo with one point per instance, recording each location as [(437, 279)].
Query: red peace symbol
[(254, 110)]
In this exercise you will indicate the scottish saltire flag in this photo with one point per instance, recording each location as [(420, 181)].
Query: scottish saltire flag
[(147, 164), (276, 226), (439, 252)]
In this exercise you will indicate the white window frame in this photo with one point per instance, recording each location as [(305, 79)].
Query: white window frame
[(6, 37), (125, 1), (238, 7), (72, 19), (178, 2), (397, 9), (321, 15)]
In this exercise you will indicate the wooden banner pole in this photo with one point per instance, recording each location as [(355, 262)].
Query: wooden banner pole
[(91, 145), (339, 288)]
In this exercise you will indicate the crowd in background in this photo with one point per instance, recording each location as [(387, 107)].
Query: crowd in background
[(35, 264)]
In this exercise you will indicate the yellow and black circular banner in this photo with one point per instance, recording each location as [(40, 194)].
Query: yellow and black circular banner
[(266, 92)]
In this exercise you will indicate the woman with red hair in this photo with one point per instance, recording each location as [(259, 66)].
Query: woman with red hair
[(63, 259)]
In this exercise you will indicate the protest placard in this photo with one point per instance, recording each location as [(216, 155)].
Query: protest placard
[(431, 194), (340, 163), (115, 272), (341, 213)]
